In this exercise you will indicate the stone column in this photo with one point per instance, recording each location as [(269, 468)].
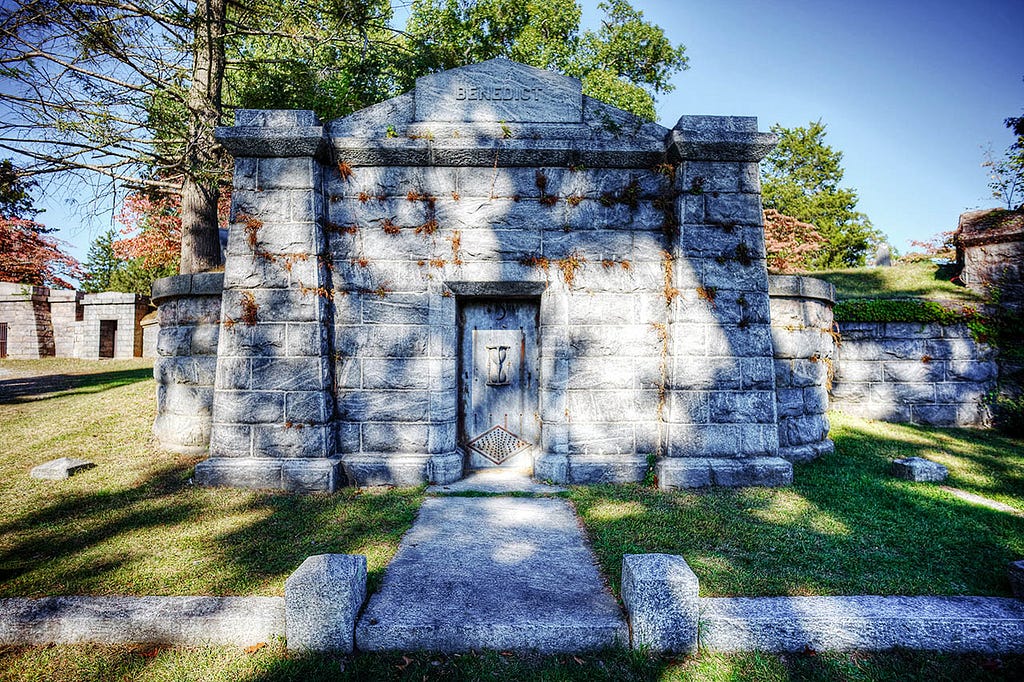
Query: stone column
[(186, 359), (720, 415), (273, 404), (804, 363), (26, 310)]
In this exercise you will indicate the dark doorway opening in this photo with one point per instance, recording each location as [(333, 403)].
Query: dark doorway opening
[(108, 336)]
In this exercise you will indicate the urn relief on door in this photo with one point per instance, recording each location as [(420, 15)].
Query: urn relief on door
[(498, 383)]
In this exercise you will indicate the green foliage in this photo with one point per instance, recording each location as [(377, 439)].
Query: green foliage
[(101, 263), (801, 178), (15, 200), (625, 63), (1006, 175), (901, 310), (105, 271), (331, 56)]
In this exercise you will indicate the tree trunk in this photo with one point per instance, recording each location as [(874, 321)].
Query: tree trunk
[(200, 236)]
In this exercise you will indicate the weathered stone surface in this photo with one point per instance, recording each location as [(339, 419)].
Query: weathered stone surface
[(689, 472), (492, 573), (659, 592), (499, 90), (60, 468), (954, 624), (919, 469), (186, 621), (498, 481), (322, 599)]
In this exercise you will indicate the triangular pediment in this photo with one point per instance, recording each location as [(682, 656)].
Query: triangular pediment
[(498, 90)]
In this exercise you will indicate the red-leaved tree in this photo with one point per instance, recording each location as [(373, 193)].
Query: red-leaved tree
[(28, 256), (789, 242), (153, 226)]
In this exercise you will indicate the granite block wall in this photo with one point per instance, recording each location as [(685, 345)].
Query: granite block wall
[(912, 372), (26, 313)]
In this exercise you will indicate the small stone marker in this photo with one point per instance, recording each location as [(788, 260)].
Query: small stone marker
[(660, 595), (59, 469), (1015, 571), (322, 599), (919, 470)]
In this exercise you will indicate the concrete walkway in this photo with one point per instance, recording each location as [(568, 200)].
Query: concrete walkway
[(493, 573)]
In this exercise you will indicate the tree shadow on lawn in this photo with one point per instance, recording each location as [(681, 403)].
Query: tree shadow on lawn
[(163, 535), (34, 388), (845, 526)]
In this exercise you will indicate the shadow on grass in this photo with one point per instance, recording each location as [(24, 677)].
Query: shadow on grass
[(845, 526), (28, 389), (219, 542)]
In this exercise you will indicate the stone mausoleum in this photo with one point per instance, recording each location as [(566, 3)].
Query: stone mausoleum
[(493, 270)]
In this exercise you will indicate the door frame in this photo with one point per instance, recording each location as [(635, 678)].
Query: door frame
[(530, 411)]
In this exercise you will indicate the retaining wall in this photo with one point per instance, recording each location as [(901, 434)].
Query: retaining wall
[(930, 374)]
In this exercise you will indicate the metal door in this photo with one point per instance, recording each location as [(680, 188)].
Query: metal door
[(3, 339), (499, 383)]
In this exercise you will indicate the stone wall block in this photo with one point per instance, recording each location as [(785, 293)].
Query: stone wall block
[(322, 601), (233, 373), (971, 370), (741, 407), (231, 440), (394, 437), (441, 437), (396, 341), (305, 339), (188, 371), (733, 209), (722, 373), (259, 340), (250, 407), (659, 592), (399, 309), (289, 374), (757, 373), (385, 406), (600, 438), (307, 407), (298, 440), (286, 173), (396, 373), (806, 429), (711, 176)]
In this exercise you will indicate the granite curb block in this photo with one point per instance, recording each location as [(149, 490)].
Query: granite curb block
[(191, 621), (660, 595), (990, 625), (322, 600)]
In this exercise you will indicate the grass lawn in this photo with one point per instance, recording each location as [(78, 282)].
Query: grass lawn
[(922, 279), (844, 527), (86, 663), (135, 524)]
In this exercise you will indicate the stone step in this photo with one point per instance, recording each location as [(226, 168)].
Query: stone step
[(493, 573)]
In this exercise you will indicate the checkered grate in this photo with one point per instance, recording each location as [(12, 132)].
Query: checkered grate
[(498, 444)]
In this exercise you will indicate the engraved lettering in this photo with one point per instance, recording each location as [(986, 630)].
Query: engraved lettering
[(474, 93), (497, 369)]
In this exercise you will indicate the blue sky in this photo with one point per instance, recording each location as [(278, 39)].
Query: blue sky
[(911, 93)]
